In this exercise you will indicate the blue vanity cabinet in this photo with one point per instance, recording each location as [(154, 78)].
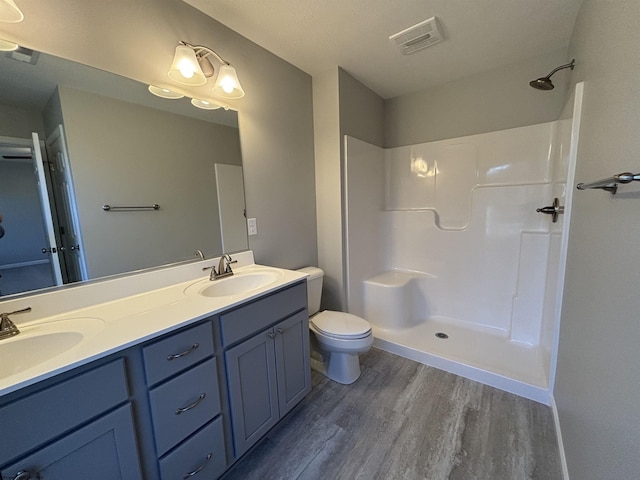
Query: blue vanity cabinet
[(80, 427), (186, 404), (267, 362), (105, 449), (185, 407)]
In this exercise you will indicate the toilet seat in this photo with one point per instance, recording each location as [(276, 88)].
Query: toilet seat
[(341, 325)]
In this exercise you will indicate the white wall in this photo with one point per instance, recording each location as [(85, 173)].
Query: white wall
[(597, 387), (137, 40)]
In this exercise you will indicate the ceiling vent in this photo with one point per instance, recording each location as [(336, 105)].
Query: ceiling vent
[(421, 35), (22, 54)]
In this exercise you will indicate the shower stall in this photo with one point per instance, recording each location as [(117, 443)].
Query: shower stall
[(448, 257)]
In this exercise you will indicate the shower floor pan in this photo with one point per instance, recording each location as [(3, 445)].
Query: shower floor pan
[(479, 355)]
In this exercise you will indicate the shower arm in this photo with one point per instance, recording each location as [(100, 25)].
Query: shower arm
[(562, 67)]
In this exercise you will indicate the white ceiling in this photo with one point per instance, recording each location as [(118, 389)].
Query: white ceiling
[(318, 35)]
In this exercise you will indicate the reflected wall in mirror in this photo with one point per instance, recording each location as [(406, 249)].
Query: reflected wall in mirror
[(104, 140)]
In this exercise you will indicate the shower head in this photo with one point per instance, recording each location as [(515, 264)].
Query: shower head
[(545, 83)]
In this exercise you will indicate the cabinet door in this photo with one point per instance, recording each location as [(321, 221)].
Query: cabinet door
[(253, 393), (292, 361), (103, 450)]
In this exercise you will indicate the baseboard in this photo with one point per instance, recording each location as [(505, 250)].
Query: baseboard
[(556, 421)]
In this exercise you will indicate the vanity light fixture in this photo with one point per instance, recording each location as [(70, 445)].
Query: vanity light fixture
[(192, 66), (164, 92), (9, 12)]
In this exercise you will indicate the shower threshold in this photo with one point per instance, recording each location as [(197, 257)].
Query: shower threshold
[(482, 356)]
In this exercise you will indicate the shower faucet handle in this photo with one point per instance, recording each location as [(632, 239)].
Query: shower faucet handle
[(553, 210)]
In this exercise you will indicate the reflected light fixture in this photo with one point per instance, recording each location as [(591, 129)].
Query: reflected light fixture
[(164, 92), (9, 12), (192, 66), (204, 104), (6, 46)]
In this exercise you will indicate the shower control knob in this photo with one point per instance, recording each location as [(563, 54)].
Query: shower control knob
[(553, 210)]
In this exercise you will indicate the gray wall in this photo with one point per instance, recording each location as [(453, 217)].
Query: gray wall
[(487, 102), (137, 40), (342, 106), (126, 154), (361, 111), (19, 122), (326, 121), (22, 217), (597, 385)]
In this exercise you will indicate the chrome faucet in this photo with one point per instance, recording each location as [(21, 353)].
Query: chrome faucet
[(7, 327), (224, 268)]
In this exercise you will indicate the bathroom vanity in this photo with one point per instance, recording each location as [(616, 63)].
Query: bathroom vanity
[(184, 400)]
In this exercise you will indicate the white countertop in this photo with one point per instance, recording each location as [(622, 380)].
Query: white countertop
[(125, 321)]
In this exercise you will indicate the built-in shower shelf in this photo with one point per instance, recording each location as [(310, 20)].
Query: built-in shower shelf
[(611, 184)]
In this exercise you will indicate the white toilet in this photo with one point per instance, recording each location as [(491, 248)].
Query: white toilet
[(340, 336)]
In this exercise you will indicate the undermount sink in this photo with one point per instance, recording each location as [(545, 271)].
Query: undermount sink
[(239, 283), (39, 342)]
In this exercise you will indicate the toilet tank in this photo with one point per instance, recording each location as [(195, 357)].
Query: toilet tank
[(314, 287)]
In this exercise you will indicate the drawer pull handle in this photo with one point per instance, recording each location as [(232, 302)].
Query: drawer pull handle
[(26, 475), (193, 405), (193, 347), (199, 469)]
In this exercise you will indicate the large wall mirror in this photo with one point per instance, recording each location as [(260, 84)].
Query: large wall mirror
[(74, 139)]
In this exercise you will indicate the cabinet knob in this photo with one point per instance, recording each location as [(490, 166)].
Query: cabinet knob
[(280, 330), (271, 335)]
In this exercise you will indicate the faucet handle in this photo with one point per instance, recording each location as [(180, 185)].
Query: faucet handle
[(7, 327), (228, 263), (6, 314)]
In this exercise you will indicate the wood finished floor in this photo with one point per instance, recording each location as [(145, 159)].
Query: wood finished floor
[(404, 420)]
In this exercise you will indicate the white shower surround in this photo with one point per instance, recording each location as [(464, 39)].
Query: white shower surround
[(444, 236)]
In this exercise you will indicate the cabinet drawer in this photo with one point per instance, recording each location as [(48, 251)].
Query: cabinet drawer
[(205, 451), (177, 352), (41, 416), (247, 320), (183, 404)]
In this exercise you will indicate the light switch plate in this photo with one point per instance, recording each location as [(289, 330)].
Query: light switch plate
[(252, 226)]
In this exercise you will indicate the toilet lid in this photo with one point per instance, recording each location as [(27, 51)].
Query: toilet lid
[(340, 324)]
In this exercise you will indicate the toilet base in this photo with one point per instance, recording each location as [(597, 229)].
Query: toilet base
[(343, 368)]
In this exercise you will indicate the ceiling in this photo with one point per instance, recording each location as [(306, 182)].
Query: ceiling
[(316, 36)]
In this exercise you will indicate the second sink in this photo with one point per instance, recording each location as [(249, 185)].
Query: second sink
[(239, 283)]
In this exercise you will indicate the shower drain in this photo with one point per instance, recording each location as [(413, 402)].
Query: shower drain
[(442, 335)]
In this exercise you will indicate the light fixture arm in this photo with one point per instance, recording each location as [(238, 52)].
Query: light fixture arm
[(199, 49), (570, 65)]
